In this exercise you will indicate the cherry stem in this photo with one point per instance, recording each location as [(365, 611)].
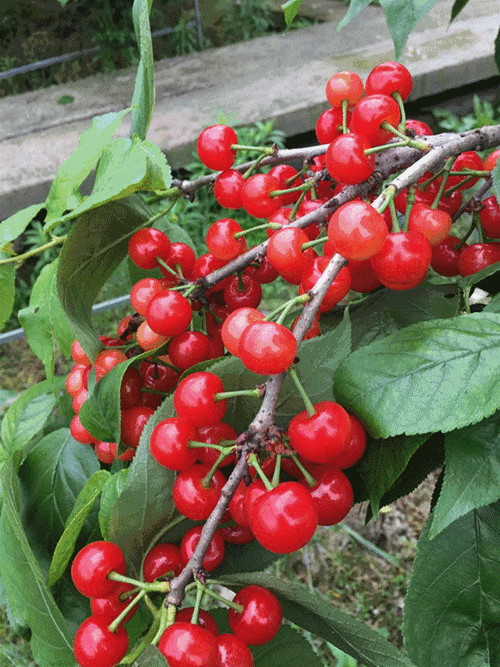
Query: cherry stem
[(385, 147), (113, 626), (205, 482), (394, 130), (301, 298), (315, 242), (460, 185), (168, 268), (265, 150), (394, 217), (161, 533), (446, 172), (288, 308), (34, 251), (115, 576), (402, 123), (133, 655), (166, 621), (229, 603), (410, 200), (253, 461), (200, 592), (240, 392), (307, 185), (267, 225), (221, 448), (254, 166), (296, 205), (309, 478), (276, 474), (345, 106), (311, 411)]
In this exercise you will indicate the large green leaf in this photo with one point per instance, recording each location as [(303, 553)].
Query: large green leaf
[(78, 166), (472, 472), (44, 320), (52, 478), (452, 610), (26, 417), (286, 648), (15, 225), (75, 522), (30, 600), (355, 7), (384, 461), (402, 16), (7, 290), (318, 615), (110, 494), (432, 376), (95, 247), (144, 92)]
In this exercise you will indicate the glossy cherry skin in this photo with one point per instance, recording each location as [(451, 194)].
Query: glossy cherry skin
[(322, 436), (78, 355), (261, 617), (368, 115), (227, 189), (255, 195), (233, 651), (346, 161), (329, 125), (169, 313), (357, 230), (284, 251), (188, 349), (188, 645), (403, 261), (388, 78), (466, 160), (283, 173), (80, 433), (214, 435), (112, 605), (333, 496), (92, 565), (356, 447), (344, 86), (162, 558), (190, 495), (169, 443), (363, 278), (478, 256), (490, 217), (235, 324), (267, 348), (95, 646), (221, 242), (215, 553), (145, 245), (158, 376), (434, 224), (237, 534), (106, 360), (491, 160), (445, 256), (194, 399), (132, 425), (181, 257), (242, 292), (285, 518), (337, 290), (418, 127), (205, 620), (214, 146)]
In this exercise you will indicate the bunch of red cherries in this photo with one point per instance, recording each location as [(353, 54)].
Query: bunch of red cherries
[(296, 482)]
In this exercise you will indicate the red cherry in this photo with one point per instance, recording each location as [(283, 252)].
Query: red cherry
[(490, 217), (227, 189), (221, 242), (91, 567), (105, 451), (346, 160), (403, 261), (466, 160), (323, 435), (194, 399), (188, 645), (237, 534), (148, 339), (233, 651), (329, 125), (205, 620), (332, 495), (142, 293), (106, 360), (285, 518), (355, 448), (204, 265), (434, 224), (214, 146), (357, 230), (145, 245), (235, 324), (344, 86), (96, 646), (242, 292), (112, 605), (215, 553), (192, 497), (337, 290), (78, 355), (261, 617), (363, 278), (445, 256), (214, 435), (181, 258), (387, 78), (132, 424), (284, 251), (188, 349), (76, 380), (161, 559), (157, 376), (267, 348), (130, 389), (369, 114), (169, 443), (478, 256), (491, 160), (79, 432), (255, 195), (419, 128), (169, 313), (284, 173)]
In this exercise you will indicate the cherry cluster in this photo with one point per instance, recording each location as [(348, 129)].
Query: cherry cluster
[(202, 308), (191, 640)]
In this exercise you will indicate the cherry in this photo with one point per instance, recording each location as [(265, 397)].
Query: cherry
[(283, 173), (369, 114), (192, 497), (255, 195), (148, 339), (142, 293), (344, 86), (78, 400), (169, 443), (204, 265), (157, 376), (466, 160), (215, 552), (237, 505), (205, 620), (133, 422), (265, 272), (96, 646), (363, 277), (332, 495), (160, 560), (227, 189), (478, 256), (491, 160), (221, 242), (79, 432), (187, 645), (106, 451), (78, 355), (235, 324), (181, 258), (261, 617), (194, 399), (490, 217), (112, 605), (337, 290), (284, 251), (445, 256), (267, 348), (237, 534), (214, 435), (242, 292), (76, 380), (403, 261), (214, 146), (130, 389), (323, 435), (233, 651), (256, 489), (285, 518), (417, 127), (355, 448), (188, 348), (146, 245), (434, 224), (388, 78), (91, 567), (357, 230), (169, 313), (106, 360), (329, 125), (346, 160)]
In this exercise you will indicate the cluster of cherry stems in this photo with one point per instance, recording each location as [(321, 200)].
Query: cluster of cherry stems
[(322, 440)]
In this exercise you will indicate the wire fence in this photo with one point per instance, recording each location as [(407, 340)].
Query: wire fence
[(75, 55)]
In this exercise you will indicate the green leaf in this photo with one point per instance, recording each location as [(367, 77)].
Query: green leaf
[(493, 306), (402, 16), (384, 461), (316, 614), (290, 10), (151, 657), (94, 249), (251, 557), (287, 647), (432, 376), (353, 10), (44, 320), (7, 290), (75, 522), (452, 610), (159, 174), (26, 417), (110, 494), (472, 472), (458, 5), (52, 478), (80, 163), (29, 598), (14, 226), (144, 92)]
